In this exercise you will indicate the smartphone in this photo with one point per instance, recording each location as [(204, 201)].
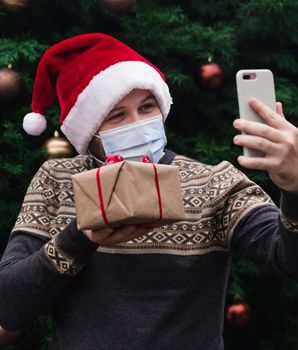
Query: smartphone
[(258, 83)]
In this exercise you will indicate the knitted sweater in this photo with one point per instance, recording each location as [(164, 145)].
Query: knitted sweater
[(162, 291)]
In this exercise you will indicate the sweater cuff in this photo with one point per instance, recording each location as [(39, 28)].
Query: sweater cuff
[(289, 212), (75, 243), (69, 250), (288, 204)]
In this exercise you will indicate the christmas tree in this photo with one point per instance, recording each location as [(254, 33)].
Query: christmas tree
[(200, 46)]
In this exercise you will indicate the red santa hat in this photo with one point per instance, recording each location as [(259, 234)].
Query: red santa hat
[(90, 74)]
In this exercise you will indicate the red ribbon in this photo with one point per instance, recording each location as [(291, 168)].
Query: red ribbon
[(100, 195), (158, 191)]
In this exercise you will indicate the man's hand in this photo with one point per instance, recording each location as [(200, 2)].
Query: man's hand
[(108, 235), (278, 139)]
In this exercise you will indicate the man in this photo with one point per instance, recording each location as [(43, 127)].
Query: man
[(136, 287)]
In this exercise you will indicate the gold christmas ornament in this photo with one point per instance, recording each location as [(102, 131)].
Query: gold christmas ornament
[(58, 147), (8, 338), (14, 5), (119, 6), (10, 84)]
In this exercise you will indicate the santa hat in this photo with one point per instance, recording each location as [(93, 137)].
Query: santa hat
[(90, 74)]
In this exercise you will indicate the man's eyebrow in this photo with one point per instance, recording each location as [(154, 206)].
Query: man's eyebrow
[(142, 101), (147, 98), (116, 109)]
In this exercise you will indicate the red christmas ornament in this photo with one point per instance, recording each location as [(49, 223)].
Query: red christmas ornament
[(211, 76), (119, 6), (146, 159), (238, 314)]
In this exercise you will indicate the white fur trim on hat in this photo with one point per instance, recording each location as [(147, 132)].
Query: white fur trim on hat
[(104, 91), (34, 123)]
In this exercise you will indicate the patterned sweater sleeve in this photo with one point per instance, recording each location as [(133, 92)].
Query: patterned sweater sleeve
[(37, 267)]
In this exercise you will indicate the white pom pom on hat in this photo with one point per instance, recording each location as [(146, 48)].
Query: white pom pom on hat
[(34, 123)]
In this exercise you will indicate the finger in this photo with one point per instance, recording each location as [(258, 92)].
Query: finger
[(121, 234), (98, 235), (140, 231), (126, 234), (124, 230), (279, 109), (255, 163), (103, 232), (267, 114), (258, 129), (257, 143)]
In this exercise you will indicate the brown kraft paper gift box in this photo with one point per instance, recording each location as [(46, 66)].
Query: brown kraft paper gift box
[(128, 193)]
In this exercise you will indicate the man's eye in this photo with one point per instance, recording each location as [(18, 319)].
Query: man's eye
[(118, 115), (147, 106)]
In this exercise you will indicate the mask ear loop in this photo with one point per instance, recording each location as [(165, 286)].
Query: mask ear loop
[(97, 160)]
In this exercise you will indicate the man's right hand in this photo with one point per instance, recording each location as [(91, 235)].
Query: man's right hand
[(109, 235)]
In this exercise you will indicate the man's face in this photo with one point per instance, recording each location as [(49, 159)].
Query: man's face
[(137, 105)]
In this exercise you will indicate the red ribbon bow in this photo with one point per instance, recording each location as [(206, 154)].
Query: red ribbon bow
[(112, 159), (116, 158)]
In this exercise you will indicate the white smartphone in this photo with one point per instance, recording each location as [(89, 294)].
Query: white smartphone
[(258, 83)]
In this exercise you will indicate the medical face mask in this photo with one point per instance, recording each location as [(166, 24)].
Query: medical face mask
[(142, 138)]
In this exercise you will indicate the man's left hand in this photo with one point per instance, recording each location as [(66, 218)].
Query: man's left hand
[(277, 138)]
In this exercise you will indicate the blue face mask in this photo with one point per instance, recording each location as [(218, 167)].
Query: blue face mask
[(132, 141)]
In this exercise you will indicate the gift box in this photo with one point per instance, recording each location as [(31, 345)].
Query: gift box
[(128, 192)]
